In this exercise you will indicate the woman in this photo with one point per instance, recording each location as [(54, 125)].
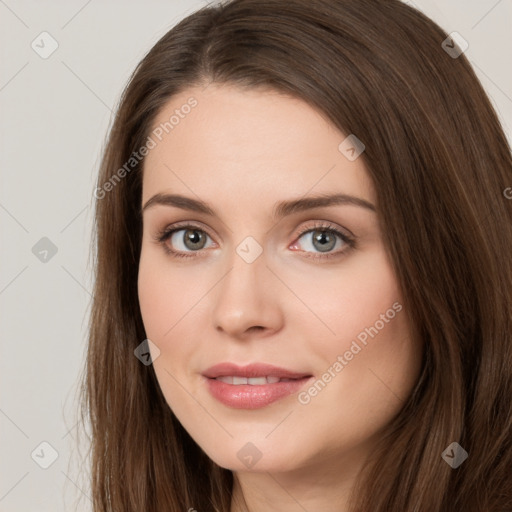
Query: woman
[(303, 276)]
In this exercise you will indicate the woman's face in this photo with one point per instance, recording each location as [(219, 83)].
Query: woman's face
[(265, 279)]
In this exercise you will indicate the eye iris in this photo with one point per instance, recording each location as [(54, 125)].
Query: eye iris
[(193, 238), (322, 238)]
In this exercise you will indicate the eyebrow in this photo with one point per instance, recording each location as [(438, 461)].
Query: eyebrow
[(281, 209)]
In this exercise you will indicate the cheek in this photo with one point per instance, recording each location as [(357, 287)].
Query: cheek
[(363, 349), (167, 292), (166, 298), (172, 304), (347, 302), (370, 364), (155, 301)]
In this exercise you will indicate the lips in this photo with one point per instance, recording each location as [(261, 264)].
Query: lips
[(252, 371), (252, 386)]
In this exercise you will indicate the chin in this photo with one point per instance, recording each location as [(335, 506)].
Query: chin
[(253, 456)]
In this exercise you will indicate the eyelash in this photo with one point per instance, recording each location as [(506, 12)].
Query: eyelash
[(162, 236)]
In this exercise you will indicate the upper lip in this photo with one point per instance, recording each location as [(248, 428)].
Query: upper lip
[(252, 370)]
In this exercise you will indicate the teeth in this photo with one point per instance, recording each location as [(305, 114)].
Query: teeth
[(227, 380), (257, 381), (253, 381)]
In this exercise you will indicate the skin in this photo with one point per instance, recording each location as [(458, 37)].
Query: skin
[(241, 151)]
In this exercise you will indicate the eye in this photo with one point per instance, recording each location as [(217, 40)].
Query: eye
[(323, 238), (320, 241), (179, 240)]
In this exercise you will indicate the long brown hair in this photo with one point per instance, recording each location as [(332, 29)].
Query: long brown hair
[(440, 164)]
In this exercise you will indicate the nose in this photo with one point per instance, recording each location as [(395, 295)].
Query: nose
[(246, 302)]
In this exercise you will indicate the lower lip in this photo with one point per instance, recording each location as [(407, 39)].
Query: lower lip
[(247, 396)]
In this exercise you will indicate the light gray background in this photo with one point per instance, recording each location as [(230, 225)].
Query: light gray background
[(54, 115)]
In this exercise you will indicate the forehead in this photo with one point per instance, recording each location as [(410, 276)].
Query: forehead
[(254, 144)]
